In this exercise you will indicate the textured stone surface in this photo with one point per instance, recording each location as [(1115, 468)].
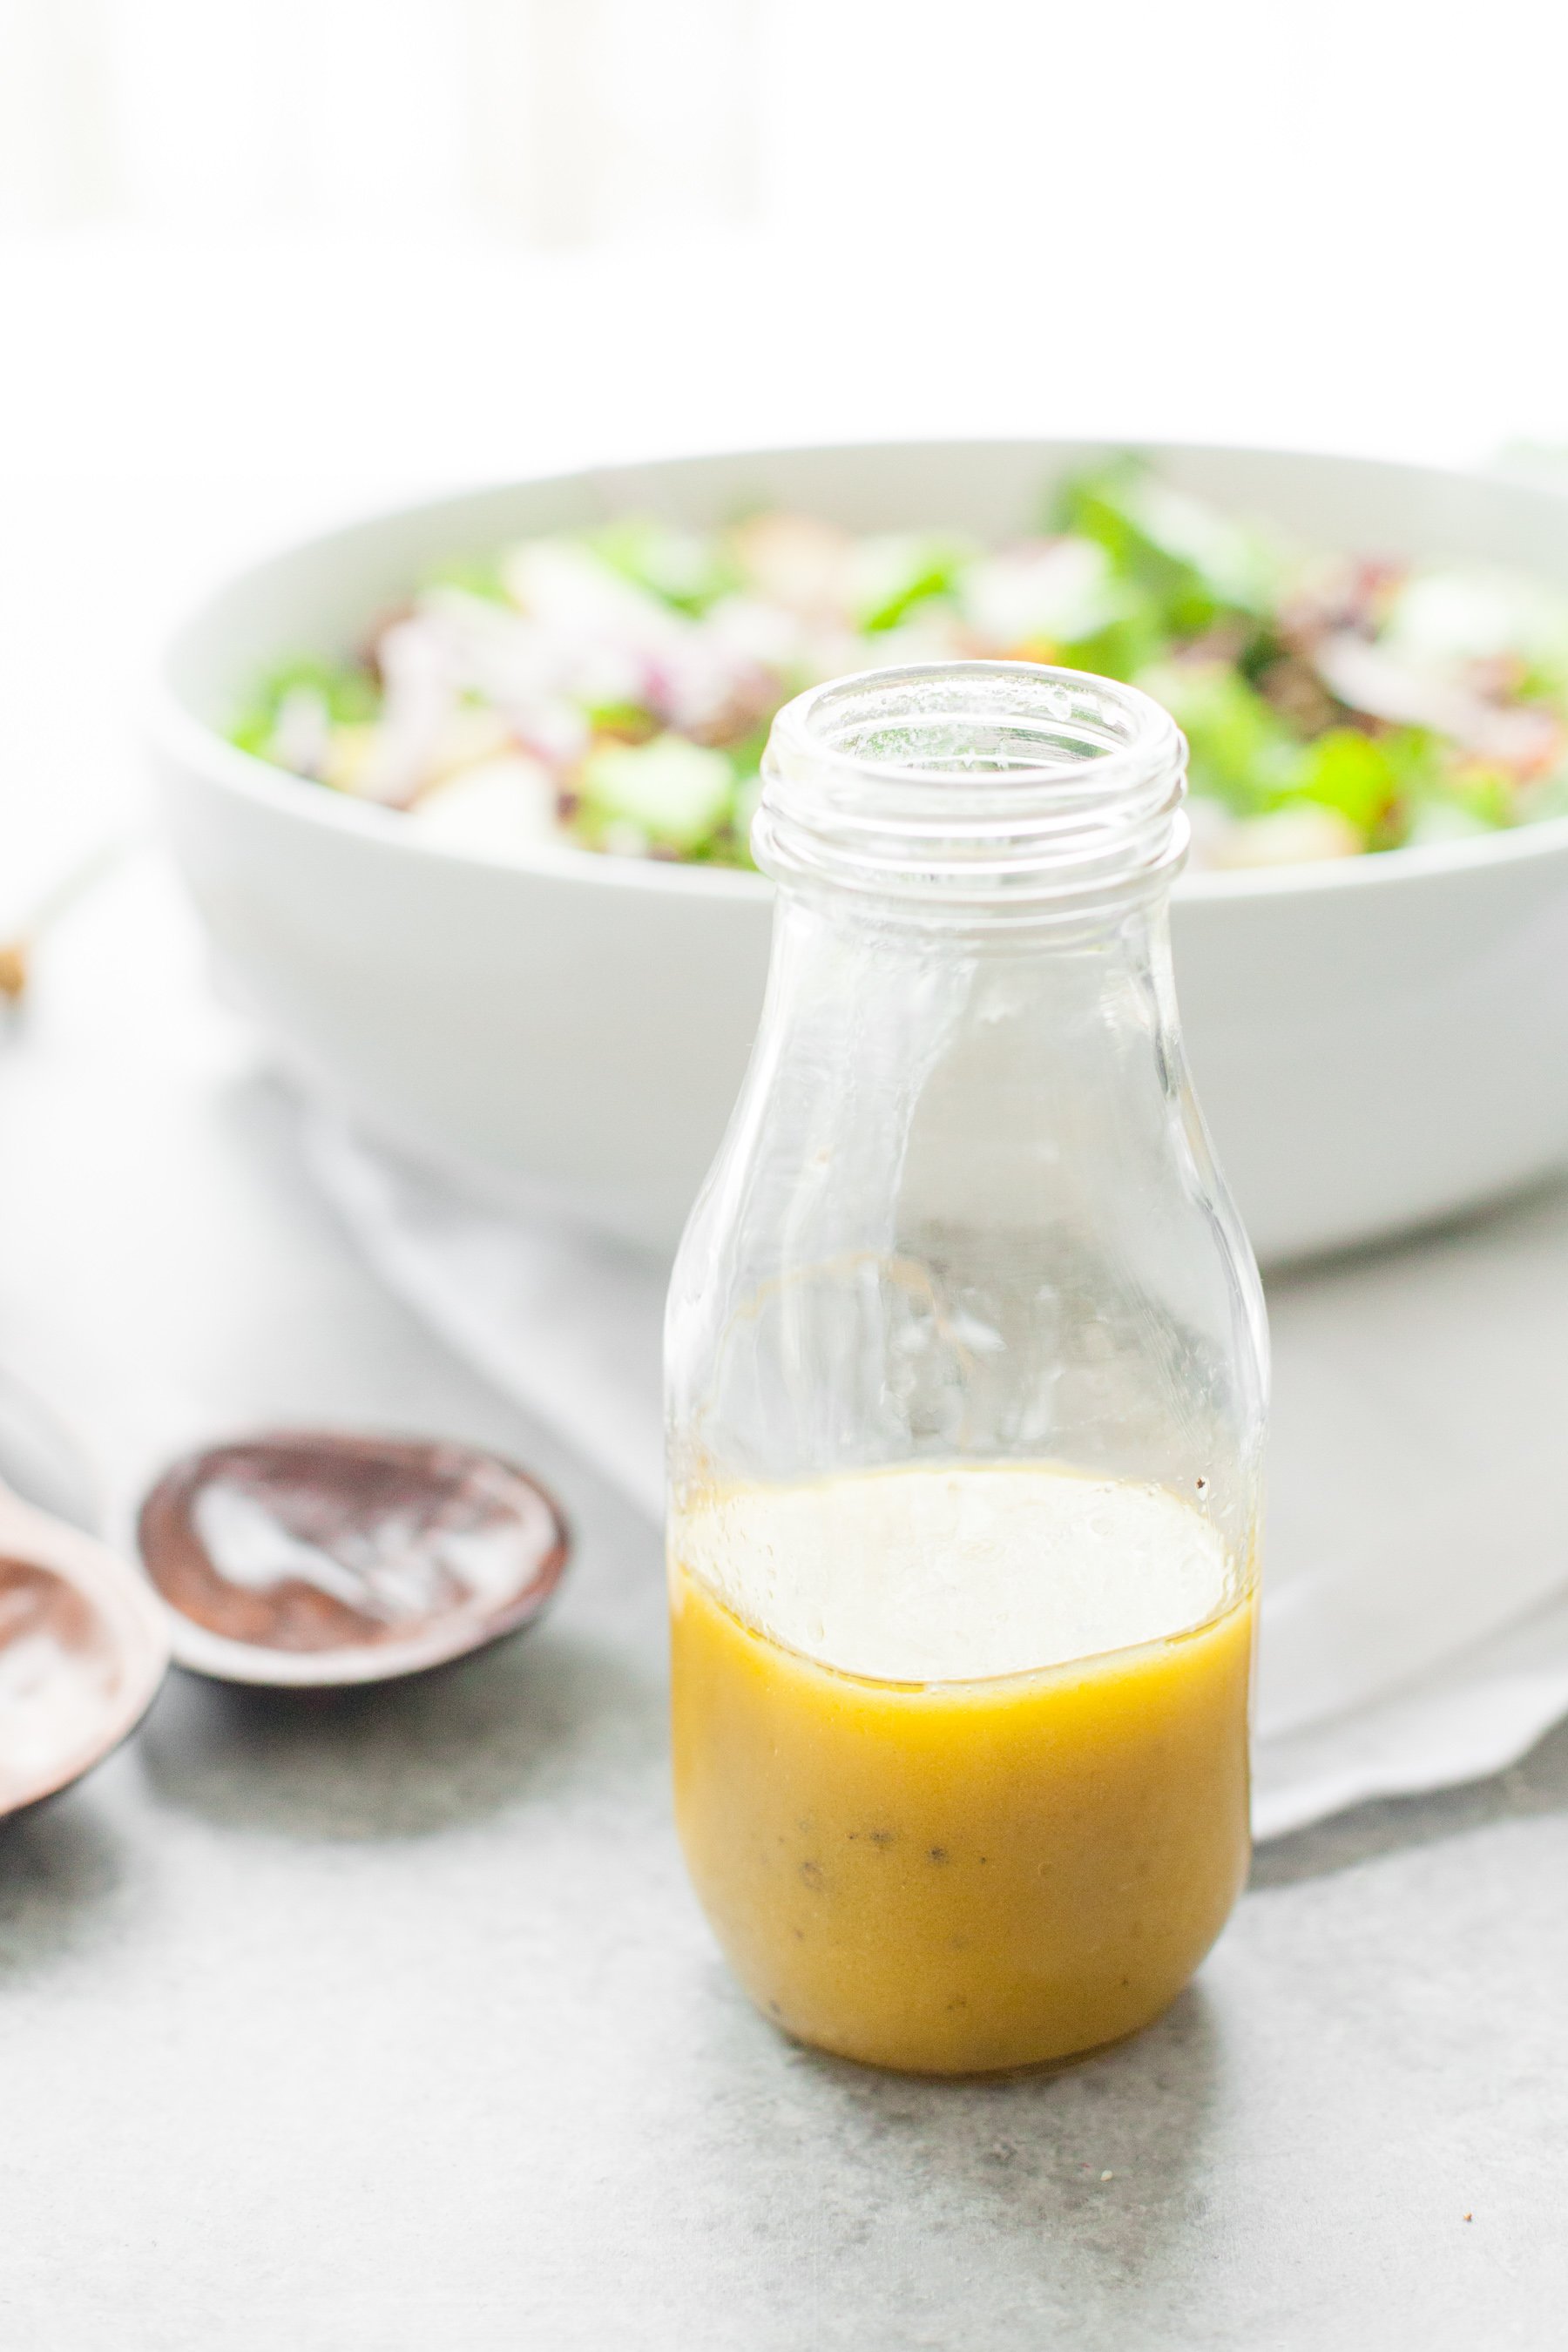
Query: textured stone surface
[(389, 2023)]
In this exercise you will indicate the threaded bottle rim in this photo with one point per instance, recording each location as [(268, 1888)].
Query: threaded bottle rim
[(1006, 785)]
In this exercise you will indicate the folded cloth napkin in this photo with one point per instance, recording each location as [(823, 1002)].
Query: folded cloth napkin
[(1415, 1593)]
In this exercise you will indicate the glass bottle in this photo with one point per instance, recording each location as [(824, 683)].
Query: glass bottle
[(966, 1384)]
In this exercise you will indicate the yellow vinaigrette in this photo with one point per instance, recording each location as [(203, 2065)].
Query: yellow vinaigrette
[(1016, 1838)]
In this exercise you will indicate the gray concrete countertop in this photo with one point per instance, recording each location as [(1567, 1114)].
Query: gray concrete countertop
[(386, 2023)]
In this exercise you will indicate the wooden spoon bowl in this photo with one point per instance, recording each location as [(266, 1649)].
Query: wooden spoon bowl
[(83, 1648), (314, 1558)]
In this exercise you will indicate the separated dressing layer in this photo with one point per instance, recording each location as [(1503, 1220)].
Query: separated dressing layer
[(955, 1575)]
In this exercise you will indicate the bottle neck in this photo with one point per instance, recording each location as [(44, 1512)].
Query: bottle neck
[(871, 980), (1007, 1068)]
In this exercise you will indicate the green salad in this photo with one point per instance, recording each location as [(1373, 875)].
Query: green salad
[(612, 689)]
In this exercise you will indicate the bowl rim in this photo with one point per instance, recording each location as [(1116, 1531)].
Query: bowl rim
[(173, 731)]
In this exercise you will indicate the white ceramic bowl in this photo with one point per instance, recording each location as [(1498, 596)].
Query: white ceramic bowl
[(1376, 1043)]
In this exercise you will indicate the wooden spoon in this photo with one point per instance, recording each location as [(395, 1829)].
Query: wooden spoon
[(83, 1648), (311, 1559)]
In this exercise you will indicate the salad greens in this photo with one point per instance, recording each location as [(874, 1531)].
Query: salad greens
[(613, 688)]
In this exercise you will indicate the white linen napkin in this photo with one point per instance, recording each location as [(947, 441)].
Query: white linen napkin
[(1416, 1593)]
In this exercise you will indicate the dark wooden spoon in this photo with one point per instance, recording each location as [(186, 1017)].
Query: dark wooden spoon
[(313, 1557), (84, 1645)]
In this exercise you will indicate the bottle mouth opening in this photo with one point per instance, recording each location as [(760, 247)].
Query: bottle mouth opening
[(974, 782)]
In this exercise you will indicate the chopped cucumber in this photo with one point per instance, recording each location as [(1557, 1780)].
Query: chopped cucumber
[(676, 792)]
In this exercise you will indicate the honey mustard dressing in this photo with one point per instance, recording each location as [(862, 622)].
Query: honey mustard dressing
[(960, 1754)]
